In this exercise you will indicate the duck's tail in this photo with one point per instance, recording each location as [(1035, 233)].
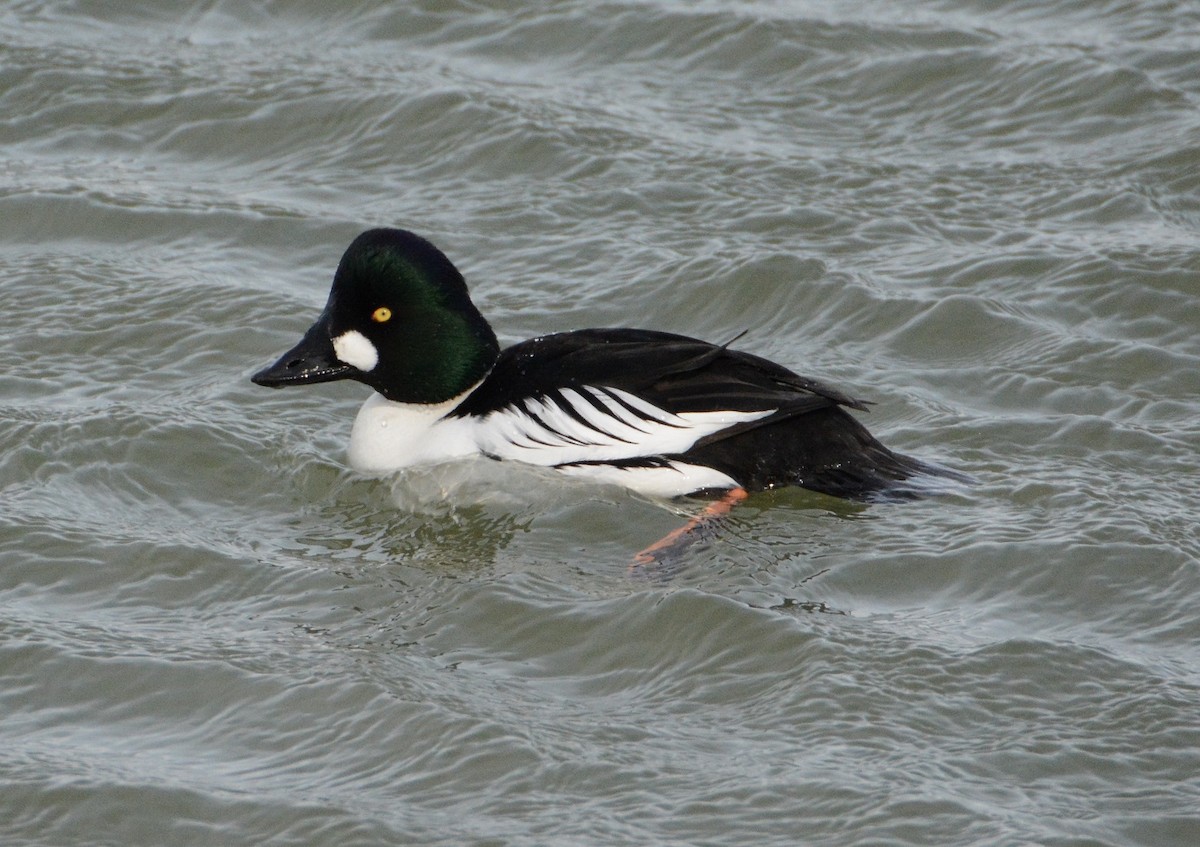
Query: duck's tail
[(828, 451)]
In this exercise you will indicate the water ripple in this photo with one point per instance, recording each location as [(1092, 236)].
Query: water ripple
[(982, 218)]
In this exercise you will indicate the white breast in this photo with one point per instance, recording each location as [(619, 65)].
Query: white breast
[(388, 436)]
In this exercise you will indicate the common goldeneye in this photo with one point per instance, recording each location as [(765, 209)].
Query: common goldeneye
[(662, 414)]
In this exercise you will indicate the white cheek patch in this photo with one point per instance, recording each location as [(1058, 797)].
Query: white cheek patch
[(353, 348)]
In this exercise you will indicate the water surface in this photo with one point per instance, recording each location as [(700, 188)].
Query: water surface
[(980, 216)]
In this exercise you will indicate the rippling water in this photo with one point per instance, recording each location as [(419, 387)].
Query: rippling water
[(983, 216)]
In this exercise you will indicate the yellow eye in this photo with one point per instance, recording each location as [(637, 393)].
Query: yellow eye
[(381, 315)]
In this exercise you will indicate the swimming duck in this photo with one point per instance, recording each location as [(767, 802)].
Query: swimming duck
[(663, 414)]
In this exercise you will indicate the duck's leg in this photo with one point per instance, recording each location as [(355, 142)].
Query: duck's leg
[(713, 511)]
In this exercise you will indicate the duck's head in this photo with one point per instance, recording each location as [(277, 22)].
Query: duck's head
[(398, 319)]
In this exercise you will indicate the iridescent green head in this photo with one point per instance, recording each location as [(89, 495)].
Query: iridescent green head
[(398, 319)]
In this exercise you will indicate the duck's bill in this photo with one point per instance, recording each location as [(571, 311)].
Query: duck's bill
[(312, 360)]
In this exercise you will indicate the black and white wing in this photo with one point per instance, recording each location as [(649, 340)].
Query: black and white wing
[(612, 395)]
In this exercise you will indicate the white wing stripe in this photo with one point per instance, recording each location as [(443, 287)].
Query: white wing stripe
[(513, 427), (617, 409), (605, 422), (570, 426), (649, 411), (562, 426), (535, 416)]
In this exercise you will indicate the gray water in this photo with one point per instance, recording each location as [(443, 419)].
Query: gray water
[(981, 216)]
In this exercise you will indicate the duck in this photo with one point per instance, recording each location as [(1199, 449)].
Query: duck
[(662, 414)]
